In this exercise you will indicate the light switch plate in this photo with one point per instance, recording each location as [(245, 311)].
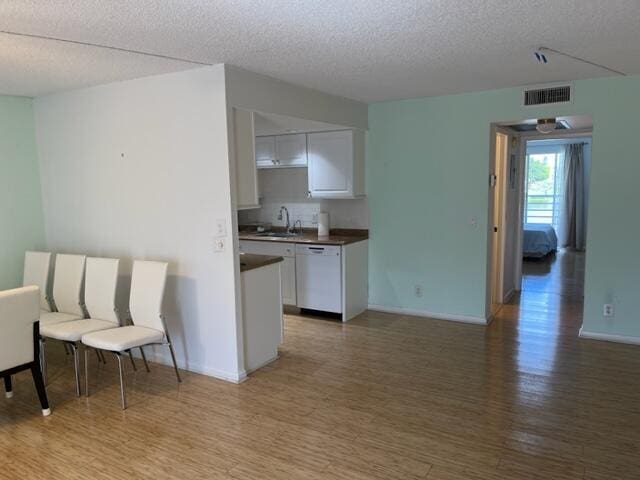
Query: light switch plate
[(221, 227)]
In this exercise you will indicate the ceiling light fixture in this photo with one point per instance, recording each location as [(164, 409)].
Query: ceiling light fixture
[(546, 125)]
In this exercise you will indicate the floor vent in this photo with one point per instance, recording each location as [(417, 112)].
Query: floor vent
[(544, 96)]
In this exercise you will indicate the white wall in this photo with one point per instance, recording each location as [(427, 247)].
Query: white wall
[(288, 187), (140, 170), (264, 94)]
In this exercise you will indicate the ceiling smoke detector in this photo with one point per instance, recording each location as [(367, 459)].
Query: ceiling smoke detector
[(546, 125)]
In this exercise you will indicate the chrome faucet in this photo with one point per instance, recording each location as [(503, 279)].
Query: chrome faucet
[(280, 217)]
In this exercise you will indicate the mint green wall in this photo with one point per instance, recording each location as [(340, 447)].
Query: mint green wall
[(21, 219), (427, 171)]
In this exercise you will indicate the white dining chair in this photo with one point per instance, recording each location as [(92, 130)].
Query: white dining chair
[(148, 327), (67, 289), (101, 281), (19, 339), (67, 296), (37, 268)]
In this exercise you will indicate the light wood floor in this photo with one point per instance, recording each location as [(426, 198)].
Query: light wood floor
[(382, 397), (560, 273)]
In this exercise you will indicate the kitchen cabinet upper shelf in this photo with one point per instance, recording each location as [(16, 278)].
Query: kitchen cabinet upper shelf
[(281, 151), (335, 160)]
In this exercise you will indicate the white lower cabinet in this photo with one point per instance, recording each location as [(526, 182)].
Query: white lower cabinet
[(288, 267), (328, 278), (262, 315)]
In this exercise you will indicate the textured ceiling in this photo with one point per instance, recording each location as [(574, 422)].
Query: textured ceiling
[(362, 49)]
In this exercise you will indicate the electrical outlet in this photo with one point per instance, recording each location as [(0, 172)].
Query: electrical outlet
[(218, 245), (608, 310), (418, 291)]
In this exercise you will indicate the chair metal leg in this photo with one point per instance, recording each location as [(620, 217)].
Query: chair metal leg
[(42, 392), (144, 359), (123, 395), (76, 366), (86, 371), (133, 363), (175, 365), (98, 355), (43, 361), (66, 348), (104, 359), (8, 389)]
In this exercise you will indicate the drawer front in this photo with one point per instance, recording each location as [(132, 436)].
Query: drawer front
[(268, 248)]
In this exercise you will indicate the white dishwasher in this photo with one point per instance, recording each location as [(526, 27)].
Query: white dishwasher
[(319, 277)]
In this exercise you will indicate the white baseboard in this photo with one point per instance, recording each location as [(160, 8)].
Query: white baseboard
[(608, 337), (191, 367), (251, 370), (424, 313)]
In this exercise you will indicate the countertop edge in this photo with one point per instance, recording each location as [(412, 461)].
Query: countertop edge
[(302, 240), (250, 262)]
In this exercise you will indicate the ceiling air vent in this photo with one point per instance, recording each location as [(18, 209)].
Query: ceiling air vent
[(544, 96)]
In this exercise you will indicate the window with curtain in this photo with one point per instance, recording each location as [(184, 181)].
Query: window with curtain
[(545, 185)]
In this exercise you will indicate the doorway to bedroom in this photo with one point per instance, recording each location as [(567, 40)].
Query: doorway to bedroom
[(556, 204), (539, 203)]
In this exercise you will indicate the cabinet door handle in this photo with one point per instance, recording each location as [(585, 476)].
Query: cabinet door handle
[(309, 194)]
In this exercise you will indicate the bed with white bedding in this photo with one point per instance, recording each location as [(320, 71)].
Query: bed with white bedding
[(539, 240)]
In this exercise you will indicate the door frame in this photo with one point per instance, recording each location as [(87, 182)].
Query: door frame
[(495, 279)]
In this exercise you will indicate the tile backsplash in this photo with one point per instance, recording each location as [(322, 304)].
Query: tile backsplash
[(288, 187)]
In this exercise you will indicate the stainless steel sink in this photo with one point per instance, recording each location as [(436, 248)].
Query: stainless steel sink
[(278, 234)]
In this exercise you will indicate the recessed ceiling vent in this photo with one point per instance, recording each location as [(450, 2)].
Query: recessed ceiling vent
[(545, 96)]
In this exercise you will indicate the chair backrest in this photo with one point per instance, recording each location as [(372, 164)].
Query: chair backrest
[(100, 283), (67, 283), (19, 309), (147, 291), (37, 266)]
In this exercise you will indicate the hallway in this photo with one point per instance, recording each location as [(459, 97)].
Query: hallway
[(552, 293), (560, 274)]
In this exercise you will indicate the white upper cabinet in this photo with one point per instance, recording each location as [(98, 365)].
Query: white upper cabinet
[(336, 164), (291, 150), (246, 174), (265, 152), (280, 151)]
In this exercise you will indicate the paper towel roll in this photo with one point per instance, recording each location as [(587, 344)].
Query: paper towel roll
[(323, 224)]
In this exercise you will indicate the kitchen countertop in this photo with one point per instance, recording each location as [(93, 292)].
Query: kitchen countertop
[(337, 237), (251, 261)]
